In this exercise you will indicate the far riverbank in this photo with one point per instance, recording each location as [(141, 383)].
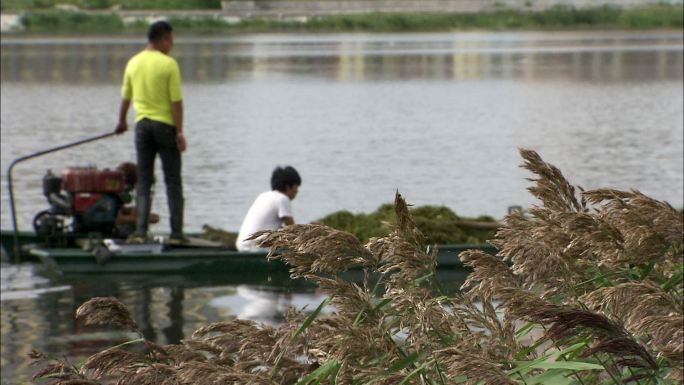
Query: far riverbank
[(71, 22)]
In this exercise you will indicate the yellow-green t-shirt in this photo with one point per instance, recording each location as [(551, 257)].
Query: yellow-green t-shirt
[(152, 81)]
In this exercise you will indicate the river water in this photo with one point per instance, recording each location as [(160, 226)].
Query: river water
[(438, 117)]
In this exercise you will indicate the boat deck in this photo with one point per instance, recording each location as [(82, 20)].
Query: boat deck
[(201, 257)]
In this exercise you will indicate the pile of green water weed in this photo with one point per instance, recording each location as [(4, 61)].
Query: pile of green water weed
[(440, 224), (214, 234)]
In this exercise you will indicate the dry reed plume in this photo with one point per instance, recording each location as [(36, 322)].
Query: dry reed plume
[(586, 289)]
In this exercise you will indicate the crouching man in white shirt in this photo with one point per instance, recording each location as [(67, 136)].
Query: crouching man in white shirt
[(272, 209)]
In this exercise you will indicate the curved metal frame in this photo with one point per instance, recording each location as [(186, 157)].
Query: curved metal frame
[(10, 186)]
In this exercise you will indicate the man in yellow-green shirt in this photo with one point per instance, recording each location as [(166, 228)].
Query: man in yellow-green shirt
[(152, 82)]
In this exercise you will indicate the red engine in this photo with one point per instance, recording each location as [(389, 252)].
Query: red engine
[(92, 180), (91, 197), (81, 202)]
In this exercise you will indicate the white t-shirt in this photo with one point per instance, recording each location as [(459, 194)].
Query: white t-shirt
[(267, 213)]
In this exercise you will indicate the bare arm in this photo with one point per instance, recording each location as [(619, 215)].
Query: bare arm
[(122, 126), (177, 114)]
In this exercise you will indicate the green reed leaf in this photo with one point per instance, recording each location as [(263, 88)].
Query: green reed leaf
[(571, 365), (382, 304), (307, 322), (422, 279), (675, 279), (416, 371), (525, 366), (552, 377), (524, 331), (324, 372), (409, 360), (646, 271), (401, 364)]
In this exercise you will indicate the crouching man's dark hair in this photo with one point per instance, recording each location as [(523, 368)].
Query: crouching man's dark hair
[(282, 178)]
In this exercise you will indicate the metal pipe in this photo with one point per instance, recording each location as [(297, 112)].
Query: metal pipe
[(17, 249)]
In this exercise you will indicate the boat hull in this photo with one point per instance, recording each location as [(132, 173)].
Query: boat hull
[(185, 260)]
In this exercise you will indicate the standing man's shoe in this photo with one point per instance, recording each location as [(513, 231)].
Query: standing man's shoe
[(178, 240), (137, 239)]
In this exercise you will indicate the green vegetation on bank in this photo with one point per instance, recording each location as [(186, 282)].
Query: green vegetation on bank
[(72, 22), (603, 17), (21, 5), (661, 16)]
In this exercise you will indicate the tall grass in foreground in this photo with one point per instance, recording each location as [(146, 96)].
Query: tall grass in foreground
[(587, 290)]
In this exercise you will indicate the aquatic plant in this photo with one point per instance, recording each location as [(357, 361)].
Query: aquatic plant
[(439, 224), (587, 289), (219, 235)]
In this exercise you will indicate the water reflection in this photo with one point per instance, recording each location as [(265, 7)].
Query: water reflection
[(166, 309), (263, 304), (527, 56), (38, 312)]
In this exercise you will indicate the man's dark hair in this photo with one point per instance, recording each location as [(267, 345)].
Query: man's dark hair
[(158, 30), (130, 172), (282, 178)]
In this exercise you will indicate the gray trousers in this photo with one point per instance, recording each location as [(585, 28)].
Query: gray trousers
[(152, 138)]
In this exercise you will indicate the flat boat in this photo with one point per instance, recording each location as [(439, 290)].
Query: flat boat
[(77, 255)]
